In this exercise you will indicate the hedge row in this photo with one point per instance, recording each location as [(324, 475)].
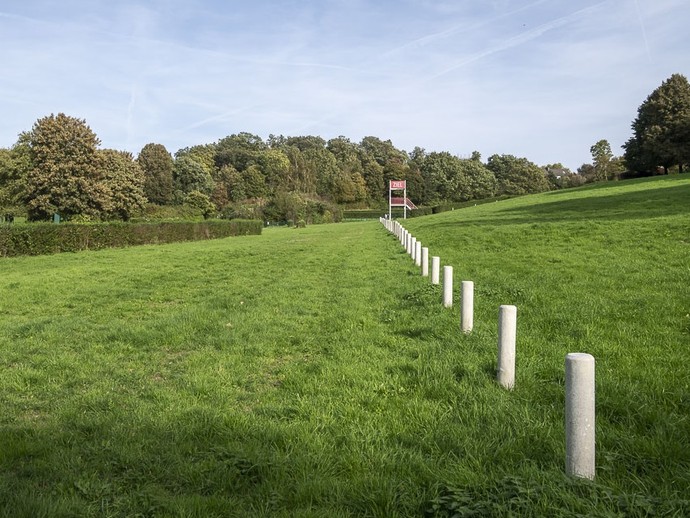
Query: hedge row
[(49, 238)]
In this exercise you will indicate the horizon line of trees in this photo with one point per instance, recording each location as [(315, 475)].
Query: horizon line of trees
[(57, 167)]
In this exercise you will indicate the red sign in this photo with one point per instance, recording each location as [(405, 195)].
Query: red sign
[(398, 184)]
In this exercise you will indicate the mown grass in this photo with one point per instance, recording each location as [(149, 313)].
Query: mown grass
[(313, 372)]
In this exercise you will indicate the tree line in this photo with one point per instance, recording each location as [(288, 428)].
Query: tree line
[(58, 168)]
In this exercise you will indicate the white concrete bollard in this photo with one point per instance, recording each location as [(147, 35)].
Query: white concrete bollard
[(418, 254), (435, 267), (448, 286), (579, 415), (413, 247), (467, 312), (425, 261), (507, 331)]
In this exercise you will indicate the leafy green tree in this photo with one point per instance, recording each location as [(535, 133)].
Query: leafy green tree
[(661, 130), (204, 154), (157, 166), (201, 202), (63, 176), (617, 167), (449, 178), (587, 172), (360, 187), (298, 176), (312, 167), (288, 206), (343, 189), (346, 154), (306, 142), (226, 185), (275, 167), (602, 156), (190, 175), (392, 160), (373, 174), (424, 192), (481, 182), (123, 181), (321, 171), (415, 184), (254, 182), (517, 175), (14, 166), (383, 151), (240, 150)]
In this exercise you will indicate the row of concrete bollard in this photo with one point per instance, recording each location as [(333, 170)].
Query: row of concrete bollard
[(579, 367)]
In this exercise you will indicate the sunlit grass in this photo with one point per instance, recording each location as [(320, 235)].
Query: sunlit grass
[(314, 372)]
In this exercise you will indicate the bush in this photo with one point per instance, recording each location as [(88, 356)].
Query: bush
[(288, 208), (201, 202), (48, 238), (153, 212)]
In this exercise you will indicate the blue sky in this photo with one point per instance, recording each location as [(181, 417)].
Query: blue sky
[(543, 79)]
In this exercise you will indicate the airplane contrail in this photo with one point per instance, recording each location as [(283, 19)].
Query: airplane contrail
[(519, 39), (644, 31), (458, 28), (218, 117)]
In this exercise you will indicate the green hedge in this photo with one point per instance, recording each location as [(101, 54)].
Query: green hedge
[(49, 238)]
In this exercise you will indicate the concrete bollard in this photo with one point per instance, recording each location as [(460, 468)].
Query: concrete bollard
[(579, 415), (467, 312), (507, 330), (418, 254), (435, 267), (425, 261), (448, 286), (413, 247)]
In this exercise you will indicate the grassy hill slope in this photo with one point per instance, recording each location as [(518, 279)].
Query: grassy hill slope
[(314, 372)]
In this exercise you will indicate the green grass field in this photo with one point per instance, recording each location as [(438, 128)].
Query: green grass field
[(314, 372)]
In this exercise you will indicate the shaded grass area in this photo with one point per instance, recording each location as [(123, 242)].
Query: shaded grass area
[(313, 372)]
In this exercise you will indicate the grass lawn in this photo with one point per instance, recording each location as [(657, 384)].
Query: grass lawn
[(314, 372)]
